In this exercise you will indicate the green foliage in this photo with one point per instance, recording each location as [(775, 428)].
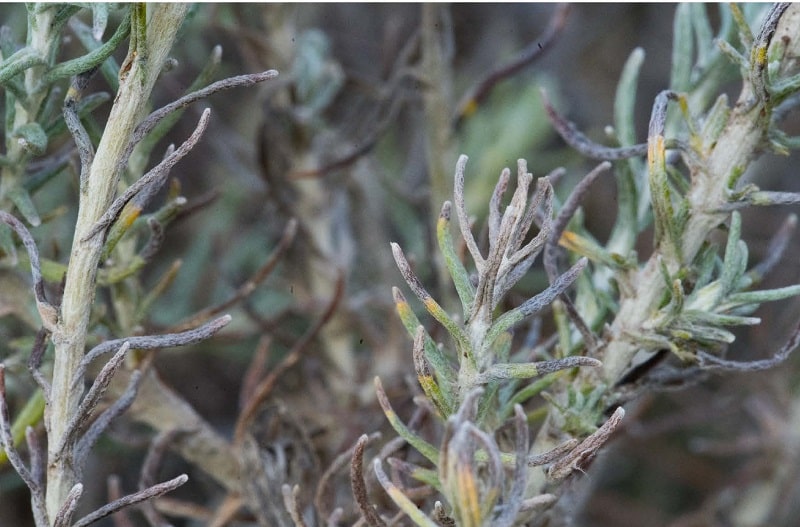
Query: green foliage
[(683, 297), (535, 329)]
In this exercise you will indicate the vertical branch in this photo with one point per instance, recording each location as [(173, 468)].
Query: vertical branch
[(95, 198), (437, 101)]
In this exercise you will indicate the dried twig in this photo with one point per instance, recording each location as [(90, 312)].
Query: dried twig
[(550, 252), (582, 454), (577, 140), (340, 462), (359, 486), (114, 489), (265, 387), (132, 499), (712, 363), (247, 288), (290, 501), (151, 342), (147, 475), (104, 419), (157, 173), (92, 398), (548, 457), (7, 442), (64, 515), (47, 312), (240, 81), (481, 90), (35, 361)]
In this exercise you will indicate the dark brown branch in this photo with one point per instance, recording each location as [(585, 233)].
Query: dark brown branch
[(247, 288), (480, 91), (340, 462), (291, 358), (359, 485), (581, 455)]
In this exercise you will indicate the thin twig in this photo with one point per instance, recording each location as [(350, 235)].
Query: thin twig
[(710, 362), (150, 342), (777, 246), (147, 475), (550, 252), (541, 501), (463, 217), (256, 369), (290, 502), (577, 140), (582, 454), (150, 122), (359, 486), (64, 515), (7, 442), (157, 236), (73, 121), (481, 90), (92, 398), (407, 506), (248, 287), (47, 312), (566, 213), (35, 361), (114, 490), (495, 210), (334, 520), (157, 173), (367, 143), (37, 455), (221, 516), (132, 499), (265, 387), (340, 462), (548, 457), (104, 419)]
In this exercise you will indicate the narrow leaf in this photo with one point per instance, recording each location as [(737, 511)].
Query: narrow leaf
[(537, 303), (400, 499), (464, 288), (424, 448)]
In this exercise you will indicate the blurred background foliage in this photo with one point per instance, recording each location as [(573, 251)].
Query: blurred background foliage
[(346, 142)]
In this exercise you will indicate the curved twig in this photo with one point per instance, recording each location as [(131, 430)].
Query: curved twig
[(156, 173), (480, 91), (47, 312)]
